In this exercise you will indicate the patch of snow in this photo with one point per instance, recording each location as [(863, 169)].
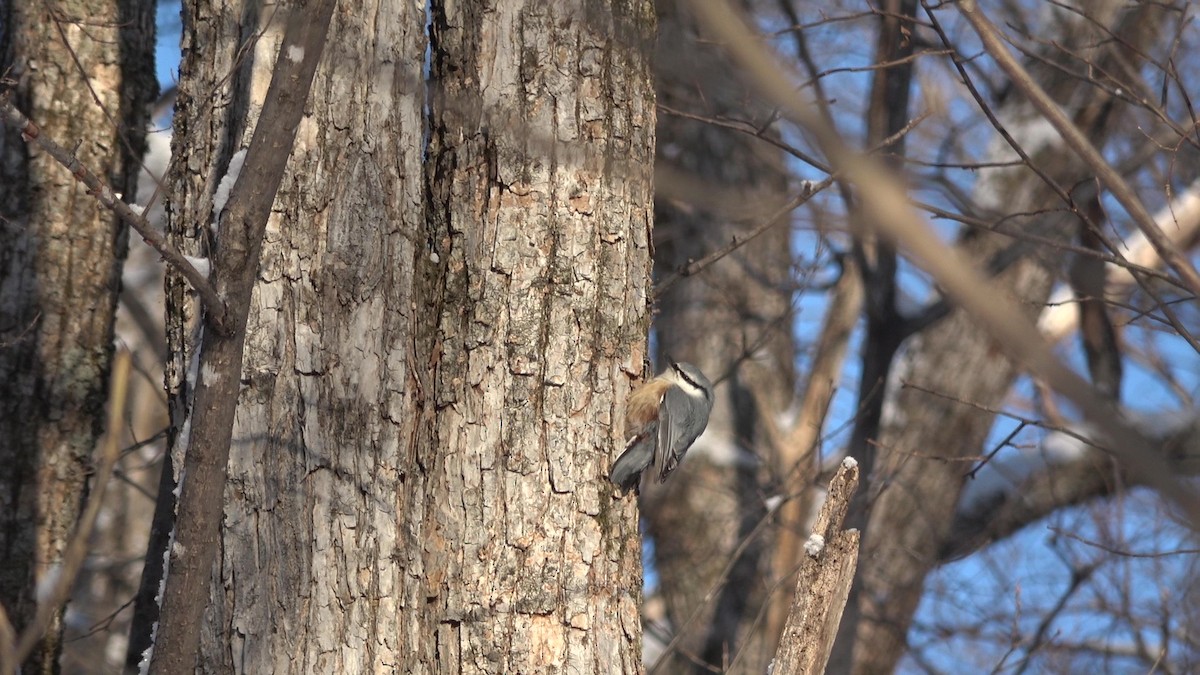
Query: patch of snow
[(202, 265), (48, 584), (1162, 423), (1004, 474), (814, 545), (721, 451), (221, 196)]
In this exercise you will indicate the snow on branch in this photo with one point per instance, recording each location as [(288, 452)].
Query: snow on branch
[(823, 582), (1069, 467)]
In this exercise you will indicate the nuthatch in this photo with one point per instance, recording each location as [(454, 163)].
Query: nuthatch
[(663, 417)]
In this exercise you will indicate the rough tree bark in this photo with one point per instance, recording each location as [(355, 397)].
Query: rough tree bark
[(82, 71), (214, 110), (440, 342), (543, 126)]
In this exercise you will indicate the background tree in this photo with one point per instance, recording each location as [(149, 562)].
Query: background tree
[(937, 429), (730, 317), (83, 71), (1050, 201)]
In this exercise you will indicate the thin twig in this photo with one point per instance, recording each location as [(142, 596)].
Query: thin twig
[(105, 195), (1079, 143), (809, 191), (695, 266)]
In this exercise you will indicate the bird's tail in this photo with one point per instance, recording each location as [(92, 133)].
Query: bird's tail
[(627, 471)]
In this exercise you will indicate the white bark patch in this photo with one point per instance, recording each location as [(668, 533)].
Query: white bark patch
[(202, 265), (1033, 133), (307, 349), (295, 53), (48, 583), (193, 371), (361, 348)]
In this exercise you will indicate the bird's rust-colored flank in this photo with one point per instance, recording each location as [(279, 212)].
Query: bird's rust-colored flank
[(642, 406)]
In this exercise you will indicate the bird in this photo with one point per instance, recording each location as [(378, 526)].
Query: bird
[(663, 417)]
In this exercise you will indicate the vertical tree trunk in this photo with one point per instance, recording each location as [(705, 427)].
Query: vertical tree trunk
[(543, 127), (219, 95), (438, 356), (83, 72)]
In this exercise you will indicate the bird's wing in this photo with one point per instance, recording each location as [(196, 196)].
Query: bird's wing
[(671, 442)]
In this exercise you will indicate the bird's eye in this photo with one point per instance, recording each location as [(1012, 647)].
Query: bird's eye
[(687, 379)]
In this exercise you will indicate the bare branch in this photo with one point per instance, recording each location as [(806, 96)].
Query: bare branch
[(236, 265), (809, 191), (886, 204), (105, 195), (1181, 218), (1079, 143), (1088, 477), (779, 216)]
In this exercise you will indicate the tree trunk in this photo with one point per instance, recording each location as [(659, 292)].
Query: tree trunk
[(543, 126), (440, 343), (60, 271)]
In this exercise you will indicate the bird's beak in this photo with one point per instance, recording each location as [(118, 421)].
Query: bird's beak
[(670, 361)]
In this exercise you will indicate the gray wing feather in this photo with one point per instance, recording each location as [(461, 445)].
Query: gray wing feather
[(674, 413)]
